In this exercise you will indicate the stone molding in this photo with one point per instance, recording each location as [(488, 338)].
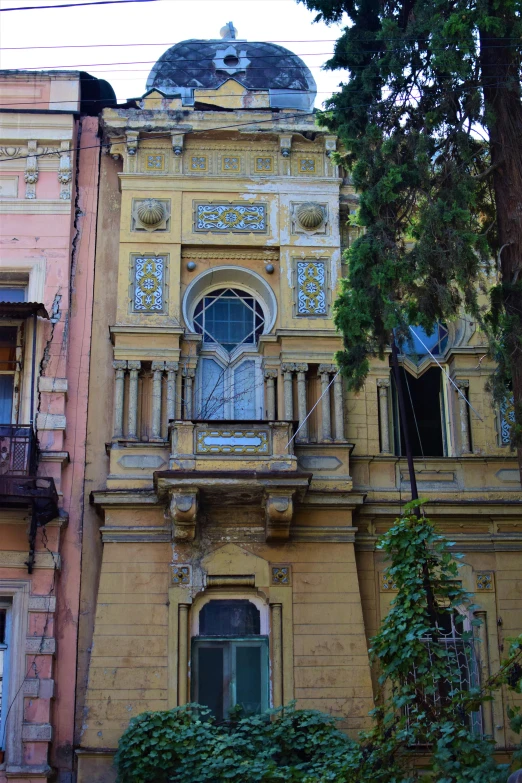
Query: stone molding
[(13, 559), (323, 534), (42, 603), (146, 535), (50, 421), (230, 255), (40, 645), (37, 732)]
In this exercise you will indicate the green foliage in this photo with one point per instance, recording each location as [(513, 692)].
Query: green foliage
[(416, 118), (423, 705)]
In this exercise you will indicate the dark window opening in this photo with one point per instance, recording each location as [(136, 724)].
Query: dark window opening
[(424, 414), (230, 659)]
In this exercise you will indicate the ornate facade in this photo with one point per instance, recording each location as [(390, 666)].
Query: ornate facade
[(234, 490)]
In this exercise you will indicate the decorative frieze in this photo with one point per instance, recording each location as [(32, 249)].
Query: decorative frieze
[(149, 284), (311, 288), (235, 218)]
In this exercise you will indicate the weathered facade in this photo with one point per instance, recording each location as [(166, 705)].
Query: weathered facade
[(48, 199), (236, 490)]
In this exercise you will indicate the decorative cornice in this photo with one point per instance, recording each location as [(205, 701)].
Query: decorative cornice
[(232, 253), (147, 535), (325, 534)]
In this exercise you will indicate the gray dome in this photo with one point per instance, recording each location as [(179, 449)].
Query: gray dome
[(200, 64)]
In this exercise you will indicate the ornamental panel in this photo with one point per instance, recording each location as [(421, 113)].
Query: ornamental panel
[(264, 164), (153, 161), (148, 295), (507, 420), (311, 288), (235, 218), (233, 442), (230, 164)]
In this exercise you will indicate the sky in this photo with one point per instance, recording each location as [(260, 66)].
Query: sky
[(154, 26)]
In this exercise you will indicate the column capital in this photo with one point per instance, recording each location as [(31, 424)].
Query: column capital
[(134, 365), (383, 383), (327, 369), (157, 366), (301, 367), (462, 383), (288, 367), (270, 374), (119, 364), (189, 372), (171, 366)]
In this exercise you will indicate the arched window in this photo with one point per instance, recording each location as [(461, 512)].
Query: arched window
[(230, 658), (230, 308)]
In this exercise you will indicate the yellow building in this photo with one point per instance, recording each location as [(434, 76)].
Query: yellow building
[(236, 490)]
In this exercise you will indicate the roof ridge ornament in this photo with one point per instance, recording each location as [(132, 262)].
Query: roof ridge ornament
[(228, 31)]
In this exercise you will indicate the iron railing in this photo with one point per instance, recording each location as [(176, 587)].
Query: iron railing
[(17, 450)]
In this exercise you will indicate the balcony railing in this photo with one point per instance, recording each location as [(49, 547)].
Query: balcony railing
[(19, 482), (17, 450)]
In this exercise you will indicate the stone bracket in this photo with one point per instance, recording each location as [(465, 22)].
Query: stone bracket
[(183, 510), (279, 507)]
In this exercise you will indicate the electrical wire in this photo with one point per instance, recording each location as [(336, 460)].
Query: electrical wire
[(73, 5)]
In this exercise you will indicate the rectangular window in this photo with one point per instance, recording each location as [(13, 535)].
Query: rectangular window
[(12, 293), (5, 627), (8, 368), (425, 414), (231, 673)]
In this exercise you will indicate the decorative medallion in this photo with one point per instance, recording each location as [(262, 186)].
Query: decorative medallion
[(181, 575), (149, 272), (387, 583), (281, 575), (234, 442), (264, 165), (311, 288), (241, 218), (507, 420), (155, 162), (306, 165), (484, 581), (151, 212)]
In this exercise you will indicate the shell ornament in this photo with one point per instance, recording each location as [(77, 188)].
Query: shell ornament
[(151, 212), (310, 216)]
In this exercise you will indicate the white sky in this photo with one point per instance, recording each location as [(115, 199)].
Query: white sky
[(158, 25)]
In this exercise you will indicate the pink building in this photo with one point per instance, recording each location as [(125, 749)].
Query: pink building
[(49, 163)]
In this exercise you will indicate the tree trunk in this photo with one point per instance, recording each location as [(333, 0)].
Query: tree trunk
[(500, 68)]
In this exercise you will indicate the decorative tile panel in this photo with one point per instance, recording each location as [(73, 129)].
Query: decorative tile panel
[(155, 162), (233, 442), (311, 288), (149, 284), (387, 583), (240, 218), (198, 163), (484, 581), (181, 575), (306, 165), (507, 420), (230, 164), (264, 165), (281, 575)]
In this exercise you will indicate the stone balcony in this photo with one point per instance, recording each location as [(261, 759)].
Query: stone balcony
[(233, 463)]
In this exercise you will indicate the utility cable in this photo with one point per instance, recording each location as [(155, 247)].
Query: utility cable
[(312, 409), (73, 5)]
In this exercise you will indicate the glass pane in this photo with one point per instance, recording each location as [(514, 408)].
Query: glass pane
[(229, 320), (12, 294), (248, 679), (245, 390), (436, 342), (210, 677), (6, 398), (229, 618), (8, 336), (212, 390)]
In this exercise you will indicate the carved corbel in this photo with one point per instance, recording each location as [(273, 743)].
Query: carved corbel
[(279, 508), (31, 170), (65, 171), (132, 142), (183, 511), (285, 144), (177, 143)]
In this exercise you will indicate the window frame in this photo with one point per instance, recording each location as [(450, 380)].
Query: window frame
[(17, 372), (228, 369), (5, 647)]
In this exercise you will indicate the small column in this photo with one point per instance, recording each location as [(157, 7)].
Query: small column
[(383, 385), (288, 370), (326, 415), (338, 406), (119, 386), (158, 368), (277, 654), (301, 401), (171, 368), (183, 654), (465, 442), (189, 374), (270, 376), (483, 661), (132, 417)]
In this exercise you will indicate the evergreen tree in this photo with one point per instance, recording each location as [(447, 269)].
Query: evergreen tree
[(431, 123)]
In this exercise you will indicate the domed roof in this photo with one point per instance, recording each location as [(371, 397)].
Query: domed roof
[(207, 64)]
